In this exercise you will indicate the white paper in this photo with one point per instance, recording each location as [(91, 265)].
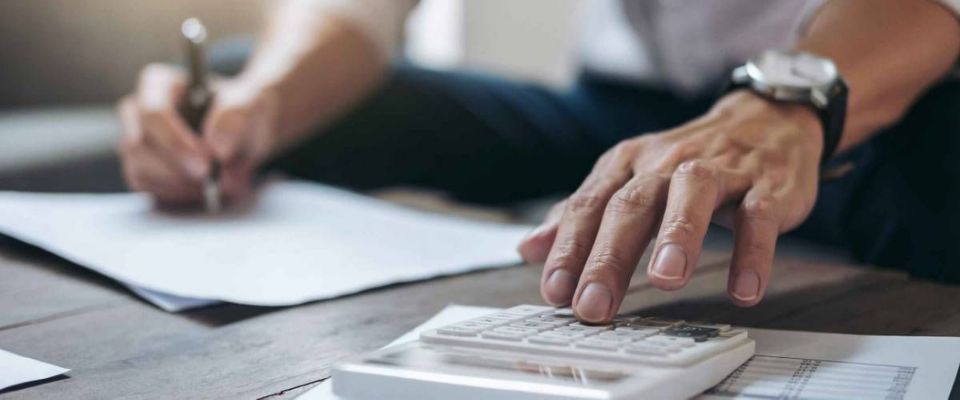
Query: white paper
[(169, 302), (806, 365), (802, 365), (16, 370), (299, 242)]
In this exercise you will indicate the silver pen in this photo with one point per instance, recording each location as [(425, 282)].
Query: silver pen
[(198, 100)]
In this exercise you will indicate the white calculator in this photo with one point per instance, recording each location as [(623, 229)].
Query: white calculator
[(533, 352)]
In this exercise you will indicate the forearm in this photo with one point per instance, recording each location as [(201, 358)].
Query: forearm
[(889, 52), (315, 63)]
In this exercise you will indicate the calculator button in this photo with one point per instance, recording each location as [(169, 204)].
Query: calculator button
[(718, 327), (539, 326), (632, 335), (697, 333), (598, 345), (679, 341), (458, 331), (505, 316), (490, 321), (585, 328), (647, 322), (638, 330), (550, 340), (527, 310), (472, 325), (549, 319), (510, 337), (564, 313), (563, 334), (646, 350), (515, 330), (611, 338)]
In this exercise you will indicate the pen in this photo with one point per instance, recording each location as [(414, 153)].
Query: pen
[(198, 99)]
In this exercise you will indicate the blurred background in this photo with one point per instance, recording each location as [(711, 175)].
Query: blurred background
[(63, 63)]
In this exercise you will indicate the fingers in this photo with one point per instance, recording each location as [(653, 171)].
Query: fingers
[(696, 190), (146, 169), (628, 223), (158, 96), (241, 125), (536, 246), (756, 227), (578, 229), (236, 180)]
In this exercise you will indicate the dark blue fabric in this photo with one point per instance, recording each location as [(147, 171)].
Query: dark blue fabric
[(490, 140)]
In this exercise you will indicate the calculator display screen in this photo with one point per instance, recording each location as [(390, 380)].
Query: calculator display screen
[(441, 359)]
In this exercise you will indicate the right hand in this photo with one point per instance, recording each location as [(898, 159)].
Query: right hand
[(164, 157)]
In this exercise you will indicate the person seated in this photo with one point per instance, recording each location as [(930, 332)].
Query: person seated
[(869, 160)]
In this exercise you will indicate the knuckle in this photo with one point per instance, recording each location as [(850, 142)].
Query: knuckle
[(678, 227), (584, 202), (624, 150), (608, 262), (762, 208), (632, 199), (757, 247), (697, 169), (154, 115), (568, 253), (681, 151)]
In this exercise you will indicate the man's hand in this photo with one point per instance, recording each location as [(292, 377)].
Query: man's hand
[(163, 156), (749, 164)]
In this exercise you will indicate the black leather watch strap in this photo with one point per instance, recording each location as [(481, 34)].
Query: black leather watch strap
[(833, 119)]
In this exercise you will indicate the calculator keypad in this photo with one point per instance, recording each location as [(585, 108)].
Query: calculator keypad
[(545, 330)]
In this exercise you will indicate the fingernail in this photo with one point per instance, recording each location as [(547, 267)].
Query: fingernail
[(196, 167), (671, 262), (559, 288), (595, 303), (746, 286)]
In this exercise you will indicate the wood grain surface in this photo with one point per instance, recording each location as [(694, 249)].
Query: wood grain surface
[(120, 347)]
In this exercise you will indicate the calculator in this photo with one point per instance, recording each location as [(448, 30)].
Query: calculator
[(533, 352)]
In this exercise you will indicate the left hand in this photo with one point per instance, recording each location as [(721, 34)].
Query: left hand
[(749, 164)]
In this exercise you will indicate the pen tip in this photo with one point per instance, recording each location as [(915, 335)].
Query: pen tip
[(194, 30)]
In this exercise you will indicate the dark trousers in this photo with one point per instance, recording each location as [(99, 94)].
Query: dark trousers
[(489, 140)]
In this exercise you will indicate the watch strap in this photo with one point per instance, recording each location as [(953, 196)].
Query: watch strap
[(833, 119)]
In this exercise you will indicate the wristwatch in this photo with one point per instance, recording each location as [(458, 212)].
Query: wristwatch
[(803, 78)]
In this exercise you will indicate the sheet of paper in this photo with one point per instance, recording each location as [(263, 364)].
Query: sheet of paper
[(298, 242), (802, 365), (16, 370), (169, 302)]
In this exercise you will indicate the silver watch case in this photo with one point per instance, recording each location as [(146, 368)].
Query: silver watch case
[(751, 75)]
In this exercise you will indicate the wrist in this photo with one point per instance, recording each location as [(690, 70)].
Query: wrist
[(745, 105)]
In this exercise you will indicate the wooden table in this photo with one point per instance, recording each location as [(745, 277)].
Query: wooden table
[(120, 347)]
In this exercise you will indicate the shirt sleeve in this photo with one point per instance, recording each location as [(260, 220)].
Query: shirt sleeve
[(953, 5), (382, 21)]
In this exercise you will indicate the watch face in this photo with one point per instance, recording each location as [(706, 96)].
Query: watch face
[(801, 70)]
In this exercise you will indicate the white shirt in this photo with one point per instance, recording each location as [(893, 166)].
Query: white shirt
[(686, 46)]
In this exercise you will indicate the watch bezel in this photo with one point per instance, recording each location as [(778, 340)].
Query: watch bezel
[(818, 95)]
